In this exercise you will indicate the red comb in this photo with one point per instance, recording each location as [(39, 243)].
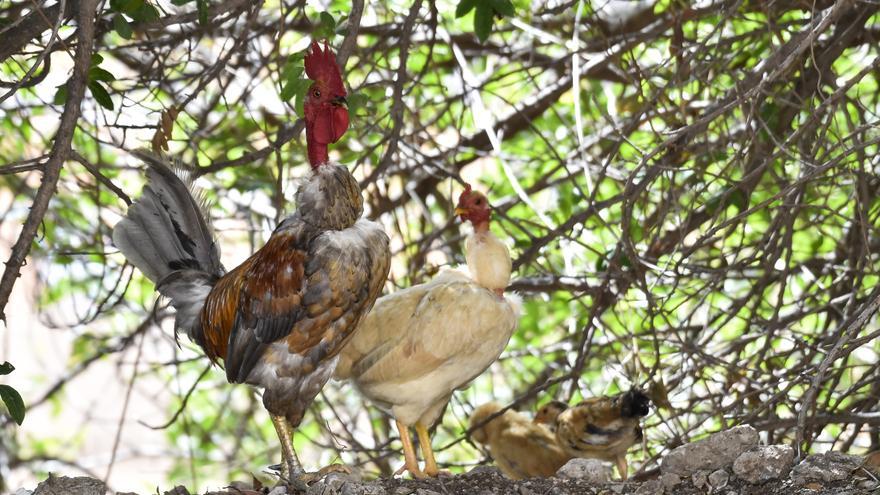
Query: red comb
[(321, 66)]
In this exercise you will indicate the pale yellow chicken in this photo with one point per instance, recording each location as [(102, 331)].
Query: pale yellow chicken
[(420, 344), (521, 448), (598, 428)]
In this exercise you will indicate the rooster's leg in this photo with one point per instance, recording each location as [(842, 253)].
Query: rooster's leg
[(621, 466), (409, 452), (291, 470), (427, 451)]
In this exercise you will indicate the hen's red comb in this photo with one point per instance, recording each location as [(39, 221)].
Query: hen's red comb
[(321, 66)]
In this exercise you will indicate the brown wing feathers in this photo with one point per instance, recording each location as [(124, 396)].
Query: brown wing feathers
[(305, 290)]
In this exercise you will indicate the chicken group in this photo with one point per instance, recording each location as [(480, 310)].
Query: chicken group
[(306, 307)]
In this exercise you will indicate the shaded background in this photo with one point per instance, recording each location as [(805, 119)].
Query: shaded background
[(689, 190)]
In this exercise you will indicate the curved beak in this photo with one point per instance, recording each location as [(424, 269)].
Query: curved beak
[(460, 210), (339, 101)]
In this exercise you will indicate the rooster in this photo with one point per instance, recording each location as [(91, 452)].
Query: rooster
[(598, 428), (420, 344), (521, 448), (279, 319)]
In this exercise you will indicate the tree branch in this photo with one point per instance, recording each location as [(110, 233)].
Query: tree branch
[(76, 87)]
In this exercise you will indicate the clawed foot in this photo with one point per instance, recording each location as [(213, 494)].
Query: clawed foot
[(437, 473), (414, 471), (310, 478), (300, 482)]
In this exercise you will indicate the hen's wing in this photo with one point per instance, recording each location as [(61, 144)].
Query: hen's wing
[(311, 292), (525, 450), (416, 331)]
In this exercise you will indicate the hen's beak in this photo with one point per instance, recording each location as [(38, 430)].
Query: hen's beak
[(339, 101), (460, 210)]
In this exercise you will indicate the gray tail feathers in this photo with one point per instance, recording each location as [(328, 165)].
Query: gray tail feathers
[(167, 235)]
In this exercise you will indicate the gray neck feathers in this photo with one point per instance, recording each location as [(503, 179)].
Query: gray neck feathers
[(330, 199)]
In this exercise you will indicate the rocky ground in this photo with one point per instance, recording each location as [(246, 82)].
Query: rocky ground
[(727, 463)]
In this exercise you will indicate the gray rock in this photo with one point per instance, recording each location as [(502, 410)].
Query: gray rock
[(63, 485), (373, 488), (830, 466), (718, 480), (670, 481), (22, 491), (716, 451), (590, 470), (700, 479), (764, 463), (484, 471), (650, 487)]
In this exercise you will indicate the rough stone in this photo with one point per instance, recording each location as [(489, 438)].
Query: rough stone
[(718, 479), (824, 468), (484, 471), (63, 485), (764, 463), (700, 478), (22, 491), (716, 451), (281, 490), (650, 487), (591, 470), (670, 480)]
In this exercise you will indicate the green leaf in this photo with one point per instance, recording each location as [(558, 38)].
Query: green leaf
[(101, 95), (294, 87), (326, 26), (483, 21), (181, 2), (463, 7), (122, 27), (202, 6), (99, 74), (291, 72), (60, 95), (144, 13), (6, 368), (356, 101), (503, 7), (13, 402), (96, 59)]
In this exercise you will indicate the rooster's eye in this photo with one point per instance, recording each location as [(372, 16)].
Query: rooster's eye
[(316, 93)]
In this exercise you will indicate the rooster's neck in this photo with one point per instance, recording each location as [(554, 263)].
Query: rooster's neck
[(317, 151), (488, 259)]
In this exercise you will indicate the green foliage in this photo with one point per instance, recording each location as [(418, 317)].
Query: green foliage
[(10, 397), (485, 12)]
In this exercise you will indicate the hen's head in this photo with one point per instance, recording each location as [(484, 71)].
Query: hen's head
[(324, 107), (479, 416), (634, 404), (548, 413), (473, 206)]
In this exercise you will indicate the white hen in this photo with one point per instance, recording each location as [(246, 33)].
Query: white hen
[(420, 344)]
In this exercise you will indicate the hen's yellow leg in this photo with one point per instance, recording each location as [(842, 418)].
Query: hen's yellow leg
[(409, 452), (427, 451), (621, 466)]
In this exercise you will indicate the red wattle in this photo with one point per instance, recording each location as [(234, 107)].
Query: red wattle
[(339, 122)]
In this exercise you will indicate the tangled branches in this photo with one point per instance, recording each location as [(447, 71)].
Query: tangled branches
[(690, 194)]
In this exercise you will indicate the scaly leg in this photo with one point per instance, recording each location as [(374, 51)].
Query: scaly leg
[(409, 452), (621, 466), (291, 470), (427, 451)]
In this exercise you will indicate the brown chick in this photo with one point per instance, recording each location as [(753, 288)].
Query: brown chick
[(598, 428), (521, 448)]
